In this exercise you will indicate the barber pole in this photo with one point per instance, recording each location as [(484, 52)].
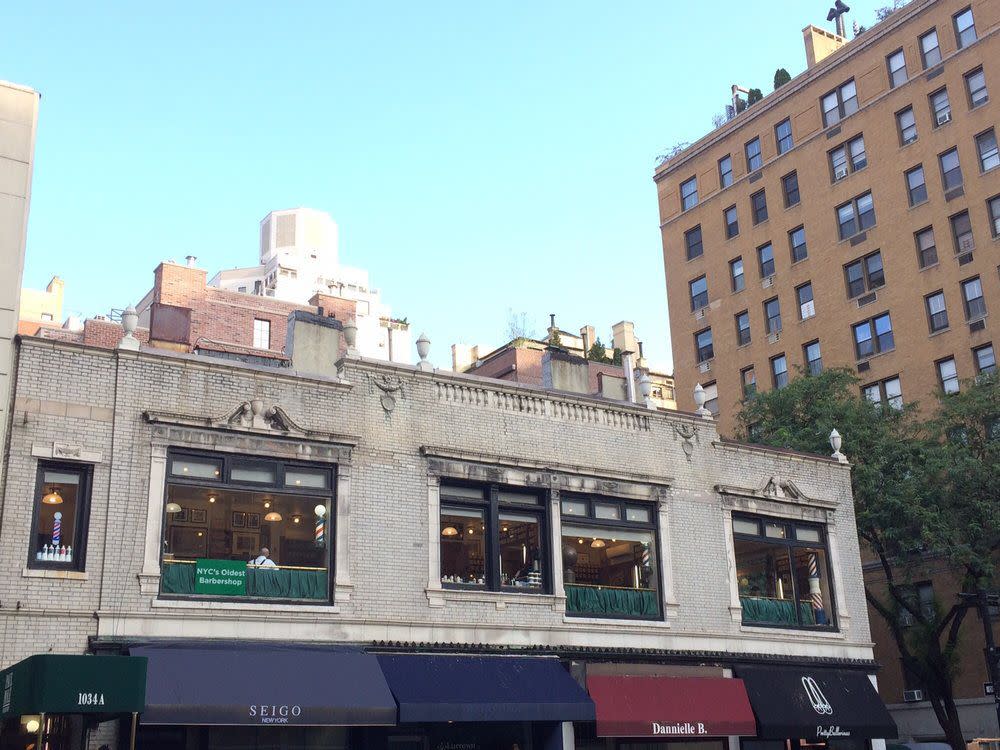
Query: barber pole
[(320, 532), (56, 529), (815, 593)]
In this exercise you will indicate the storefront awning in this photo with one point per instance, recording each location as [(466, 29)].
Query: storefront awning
[(440, 688), (244, 683), (670, 707), (815, 704), (73, 684)]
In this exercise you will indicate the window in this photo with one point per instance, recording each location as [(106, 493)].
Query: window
[(906, 123), (783, 136), (782, 574), (736, 274), (804, 295), (758, 203), (972, 298), (703, 345), (743, 328), (754, 159), (689, 193), (712, 398), (961, 233), (951, 169), (856, 216), (610, 561), (916, 187), (772, 314), (985, 359), (930, 50), (480, 524), (813, 358), (975, 87), (765, 260), (965, 28), (725, 171), (797, 242), (948, 375), (873, 336), (224, 511), (749, 380), (60, 518), (926, 248), (840, 103), (864, 275), (699, 293), (888, 392), (986, 145), (940, 107), (732, 220), (896, 62), (790, 188), (993, 204), (937, 312), (692, 242), (261, 334), (779, 371), (848, 157)]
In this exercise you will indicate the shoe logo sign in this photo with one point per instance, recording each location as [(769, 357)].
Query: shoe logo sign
[(819, 702)]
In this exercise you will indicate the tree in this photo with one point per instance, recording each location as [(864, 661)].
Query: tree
[(598, 352), (781, 77), (923, 492), (518, 326), (754, 96)]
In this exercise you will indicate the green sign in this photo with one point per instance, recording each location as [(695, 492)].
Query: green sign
[(69, 684), (220, 577)]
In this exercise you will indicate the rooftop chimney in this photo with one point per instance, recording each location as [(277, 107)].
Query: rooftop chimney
[(191, 260), (820, 44)]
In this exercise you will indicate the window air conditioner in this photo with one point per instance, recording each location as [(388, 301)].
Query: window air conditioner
[(913, 696), (772, 338), (942, 118), (705, 366), (767, 283), (966, 243), (699, 314), (867, 299), (840, 173)]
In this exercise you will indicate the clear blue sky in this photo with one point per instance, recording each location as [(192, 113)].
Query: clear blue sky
[(477, 156)]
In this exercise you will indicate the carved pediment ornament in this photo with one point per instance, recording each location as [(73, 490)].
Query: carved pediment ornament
[(390, 386), (688, 433)]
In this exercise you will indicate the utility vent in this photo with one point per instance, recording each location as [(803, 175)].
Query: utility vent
[(966, 243), (755, 176), (705, 366), (833, 132), (859, 238), (934, 73), (867, 299), (772, 338), (977, 325), (285, 232), (767, 283), (840, 173), (943, 118), (699, 314), (913, 696), (953, 194), (864, 366), (964, 258)]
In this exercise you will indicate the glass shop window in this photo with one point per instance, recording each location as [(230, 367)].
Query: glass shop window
[(59, 525), (222, 538), (782, 573)]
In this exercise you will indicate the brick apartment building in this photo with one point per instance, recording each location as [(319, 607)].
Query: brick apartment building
[(849, 218), (852, 218)]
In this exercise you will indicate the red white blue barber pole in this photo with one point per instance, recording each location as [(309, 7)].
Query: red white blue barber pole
[(815, 593), (320, 511), (56, 528)]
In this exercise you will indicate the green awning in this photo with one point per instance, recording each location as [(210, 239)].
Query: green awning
[(65, 684)]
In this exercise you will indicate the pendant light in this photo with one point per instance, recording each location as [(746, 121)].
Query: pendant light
[(273, 516), (449, 531), (173, 507), (53, 497)]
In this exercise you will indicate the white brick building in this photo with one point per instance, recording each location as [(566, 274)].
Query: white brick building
[(402, 463)]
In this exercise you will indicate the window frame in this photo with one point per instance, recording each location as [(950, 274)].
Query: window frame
[(943, 323), (809, 363), (730, 225), (957, 168), (921, 250), (741, 339), (265, 325), (591, 521), (841, 109), (280, 486), (763, 264), (884, 398), (970, 315), (976, 361), (723, 173), (748, 387), (875, 338), (936, 113), (960, 41), (755, 158), (856, 215), (969, 93), (911, 190), (940, 375), (993, 213), (893, 71), (492, 507), (995, 154), (688, 245), (733, 276), (924, 52), (901, 128), (704, 353), (956, 238), (812, 299), (866, 275), (775, 375), (81, 532), (755, 210), (786, 192), (850, 163), (693, 180), (696, 298), (769, 319), (793, 248), (779, 139)]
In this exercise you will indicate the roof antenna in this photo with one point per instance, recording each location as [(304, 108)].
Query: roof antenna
[(837, 13)]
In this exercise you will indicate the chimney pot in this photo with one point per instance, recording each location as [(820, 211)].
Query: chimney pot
[(191, 260)]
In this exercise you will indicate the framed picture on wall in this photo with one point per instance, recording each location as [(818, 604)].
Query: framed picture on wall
[(239, 519), (253, 520), (187, 541), (198, 515), (181, 516), (246, 545)]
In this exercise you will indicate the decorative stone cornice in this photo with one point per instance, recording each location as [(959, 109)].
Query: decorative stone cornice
[(778, 490)]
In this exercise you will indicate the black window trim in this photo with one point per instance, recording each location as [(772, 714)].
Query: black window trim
[(82, 522), (824, 543)]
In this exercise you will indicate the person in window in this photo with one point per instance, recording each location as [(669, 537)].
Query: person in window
[(263, 560)]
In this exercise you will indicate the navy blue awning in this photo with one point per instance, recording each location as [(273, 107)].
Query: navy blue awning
[(241, 683), (439, 688)]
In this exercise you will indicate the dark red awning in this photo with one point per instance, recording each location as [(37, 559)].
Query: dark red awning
[(671, 707)]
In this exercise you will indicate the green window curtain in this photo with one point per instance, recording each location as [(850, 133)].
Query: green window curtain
[(777, 611), (273, 583), (611, 601), (177, 579)]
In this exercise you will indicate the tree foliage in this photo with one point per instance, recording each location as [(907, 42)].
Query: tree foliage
[(781, 77), (925, 492), (598, 352), (518, 326), (754, 96)]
